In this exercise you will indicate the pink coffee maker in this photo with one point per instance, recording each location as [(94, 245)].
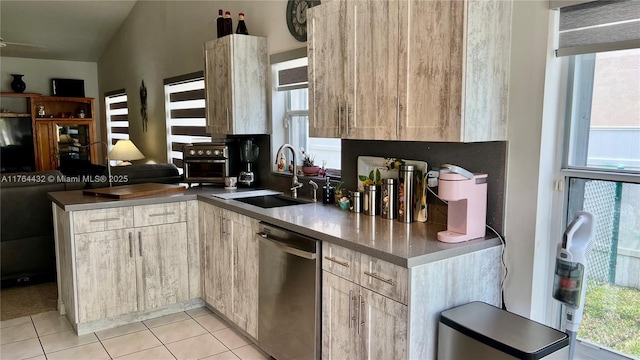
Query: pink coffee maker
[(467, 196)]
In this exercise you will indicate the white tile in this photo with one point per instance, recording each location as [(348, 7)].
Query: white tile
[(196, 347), (130, 343), (17, 333), (39, 357), (251, 352), (211, 322), (14, 322), (65, 340), (120, 330), (178, 331), (21, 350), (45, 315), (156, 353), (198, 312), (230, 338), (52, 325), (167, 319), (93, 351), (227, 355)]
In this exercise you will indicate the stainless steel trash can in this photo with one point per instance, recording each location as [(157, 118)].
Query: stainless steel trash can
[(482, 331)]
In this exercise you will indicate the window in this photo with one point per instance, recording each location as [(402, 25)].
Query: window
[(291, 115), (185, 113), (117, 117), (602, 170)]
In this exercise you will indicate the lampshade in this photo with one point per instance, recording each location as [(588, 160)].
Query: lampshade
[(125, 150)]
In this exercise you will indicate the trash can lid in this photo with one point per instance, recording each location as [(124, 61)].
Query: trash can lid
[(504, 331)]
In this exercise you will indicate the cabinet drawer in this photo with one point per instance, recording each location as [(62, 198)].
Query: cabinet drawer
[(158, 214), (87, 221), (384, 278), (340, 261)]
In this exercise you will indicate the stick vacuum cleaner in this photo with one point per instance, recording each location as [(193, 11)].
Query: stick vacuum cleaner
[(569, 284)]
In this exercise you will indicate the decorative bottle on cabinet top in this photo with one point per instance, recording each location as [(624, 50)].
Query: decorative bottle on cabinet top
[(228, 24), (17, 84), (220, 24), (242, 27)]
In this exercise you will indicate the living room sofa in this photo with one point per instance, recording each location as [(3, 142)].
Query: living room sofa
[(27, 239)]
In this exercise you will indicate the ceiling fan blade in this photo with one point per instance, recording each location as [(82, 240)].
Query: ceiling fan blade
[(24, 46)]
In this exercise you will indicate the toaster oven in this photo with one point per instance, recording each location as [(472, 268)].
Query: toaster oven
[(206, 163)]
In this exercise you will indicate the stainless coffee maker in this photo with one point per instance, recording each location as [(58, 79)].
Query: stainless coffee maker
[(248, 155)]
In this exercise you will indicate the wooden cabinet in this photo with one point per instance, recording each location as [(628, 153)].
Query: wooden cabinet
[(231, 265), (126, 262), (64, 132), (359, 323), (236, 77), (373, 309), (415, 70)]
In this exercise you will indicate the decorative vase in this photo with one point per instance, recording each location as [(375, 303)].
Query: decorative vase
[(17, 84), (310, 170)]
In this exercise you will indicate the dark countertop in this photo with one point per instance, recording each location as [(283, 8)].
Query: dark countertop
[(407, 245)]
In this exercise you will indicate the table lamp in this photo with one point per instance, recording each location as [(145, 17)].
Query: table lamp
[(125, 150)]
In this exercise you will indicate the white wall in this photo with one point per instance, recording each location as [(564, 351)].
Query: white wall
[(38, 74), (160, 40)]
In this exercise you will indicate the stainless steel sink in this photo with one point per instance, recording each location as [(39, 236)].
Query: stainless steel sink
[(271, 201)]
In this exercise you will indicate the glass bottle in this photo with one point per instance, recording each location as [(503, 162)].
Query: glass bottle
[(242, 27), (228, 23), (220, 24)]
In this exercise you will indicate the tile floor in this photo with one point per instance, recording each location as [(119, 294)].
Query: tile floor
[(193, 334)]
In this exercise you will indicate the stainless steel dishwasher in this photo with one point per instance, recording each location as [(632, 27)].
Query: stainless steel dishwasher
[(289, 295)]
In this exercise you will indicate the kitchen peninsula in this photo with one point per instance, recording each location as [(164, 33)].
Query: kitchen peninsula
[(121, 261)]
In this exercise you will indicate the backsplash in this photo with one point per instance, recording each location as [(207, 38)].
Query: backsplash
[(482, 157)]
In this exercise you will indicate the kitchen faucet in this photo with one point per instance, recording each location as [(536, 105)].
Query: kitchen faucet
[(295, 185)]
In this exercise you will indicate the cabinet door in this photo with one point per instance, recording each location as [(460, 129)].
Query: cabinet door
[(383, 327), (339, 320), (44, 145), (162, 265), (106, 274), (372, 58), (327, 69), (217, 259), (217, 58), (430, 71), (244, 301)]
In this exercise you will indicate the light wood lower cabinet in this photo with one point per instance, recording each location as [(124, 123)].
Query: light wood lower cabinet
[(231, 265), (113, 268)]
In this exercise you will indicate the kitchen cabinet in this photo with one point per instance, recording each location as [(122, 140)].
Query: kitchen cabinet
[(236, 85), (373, 309), (413, 70), (64, 132), (231, 265), (126, 262), (360, 324)]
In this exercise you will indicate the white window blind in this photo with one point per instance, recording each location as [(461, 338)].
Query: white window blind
[(185, 114), (117, 115), (599, 26)]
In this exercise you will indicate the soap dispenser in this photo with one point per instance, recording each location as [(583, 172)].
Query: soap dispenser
[(328, 193)]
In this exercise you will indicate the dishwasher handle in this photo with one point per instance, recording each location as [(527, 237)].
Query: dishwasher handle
[(288, 249)]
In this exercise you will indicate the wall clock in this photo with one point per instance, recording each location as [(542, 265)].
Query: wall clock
[(297, 17)]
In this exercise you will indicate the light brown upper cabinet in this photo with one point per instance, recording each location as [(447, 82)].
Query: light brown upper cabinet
[(236, 85), (409, 70)]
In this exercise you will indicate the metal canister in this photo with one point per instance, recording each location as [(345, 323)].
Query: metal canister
[(406, 188), (355, 197), (371, 202), (389, 198)]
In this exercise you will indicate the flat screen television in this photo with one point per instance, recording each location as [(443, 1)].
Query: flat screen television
[(16, 145), (67, 87)]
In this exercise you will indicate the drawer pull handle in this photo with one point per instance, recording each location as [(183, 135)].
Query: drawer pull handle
[(140, 242), (102, 220), (162, 214), (130, 246), (378, 277), (345, 264)]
